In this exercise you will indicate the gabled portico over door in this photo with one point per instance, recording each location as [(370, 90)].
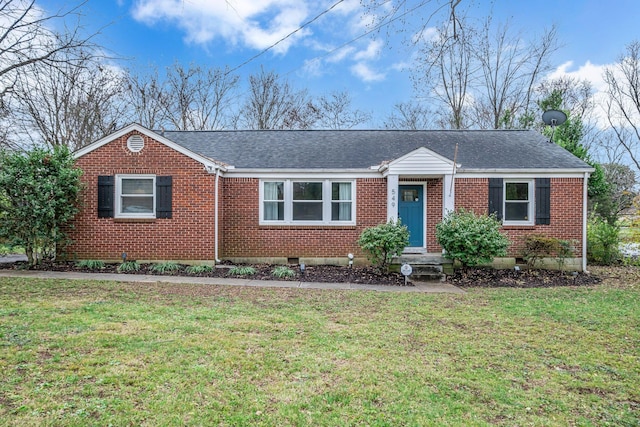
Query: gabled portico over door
[(419, 165)]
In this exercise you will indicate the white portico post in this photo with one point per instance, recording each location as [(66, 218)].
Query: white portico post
[(392, 197), (448, 194)]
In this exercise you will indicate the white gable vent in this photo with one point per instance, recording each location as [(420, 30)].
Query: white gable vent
[(135, 143)]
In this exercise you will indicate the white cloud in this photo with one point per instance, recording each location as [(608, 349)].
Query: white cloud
[(591, 72), (371, 52), (254, 23), (366, 73), (425, 35), (341, 54), (348, 7)]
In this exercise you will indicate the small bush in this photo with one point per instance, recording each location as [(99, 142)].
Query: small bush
[(242, 270), (128, 267), (91, 264), (282, 272), (565, 250), (603, 241), (382, 242), (165, 267), (538, 246), (199, 269), (471, 239)]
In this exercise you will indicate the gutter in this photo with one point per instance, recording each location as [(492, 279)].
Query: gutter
[(584, 221), (215, 250), (211, 169)]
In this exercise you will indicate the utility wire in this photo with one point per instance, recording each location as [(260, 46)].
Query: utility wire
[(366, 33), (285, 37)]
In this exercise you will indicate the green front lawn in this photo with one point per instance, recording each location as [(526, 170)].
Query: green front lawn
[(100, 353)]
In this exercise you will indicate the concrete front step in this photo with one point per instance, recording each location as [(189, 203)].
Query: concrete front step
[(422, 259), (426, 267)]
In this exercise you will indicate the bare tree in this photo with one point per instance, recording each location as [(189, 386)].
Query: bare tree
[(623, 182), (28, 37), (623, 102), (410, 116), (190, 98), (72, 104), (509, 69), (198, 99), (483, 77), (444, 72), (272, 103), (147, 102), (335, 112)]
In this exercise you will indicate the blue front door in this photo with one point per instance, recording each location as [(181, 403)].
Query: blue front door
[(411, 213)]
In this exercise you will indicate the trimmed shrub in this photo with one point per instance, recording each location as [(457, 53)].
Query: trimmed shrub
[(471, 239), (382, 242)]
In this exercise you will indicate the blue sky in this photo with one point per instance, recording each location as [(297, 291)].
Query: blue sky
[(331, 54)]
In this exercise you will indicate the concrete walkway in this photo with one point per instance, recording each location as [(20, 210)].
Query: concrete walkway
[(424, 287)]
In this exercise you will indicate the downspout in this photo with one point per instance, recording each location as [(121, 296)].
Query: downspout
[(584, 221), (215, 220)]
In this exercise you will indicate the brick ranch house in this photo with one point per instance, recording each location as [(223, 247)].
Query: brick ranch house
[(305, 196)]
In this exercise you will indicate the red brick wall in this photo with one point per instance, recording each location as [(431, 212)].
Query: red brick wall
[(434, 213), (244, 237), (472, 194), (188, 235), (566, 211)]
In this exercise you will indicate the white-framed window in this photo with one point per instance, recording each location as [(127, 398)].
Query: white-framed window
[(518, 202), (273, 201), (300, 201), (135, 196)]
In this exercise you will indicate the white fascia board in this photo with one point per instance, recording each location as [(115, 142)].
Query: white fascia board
[(207, 162), (297, 173), (522, 173)]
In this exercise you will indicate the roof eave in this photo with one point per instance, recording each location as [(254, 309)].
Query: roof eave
[(526, 170)]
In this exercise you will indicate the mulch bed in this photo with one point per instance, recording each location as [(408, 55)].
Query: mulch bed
[(316, 273), (487, 277), (463, 277)]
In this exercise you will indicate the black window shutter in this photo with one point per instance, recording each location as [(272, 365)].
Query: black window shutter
[(163, 196), (543, 201), (105, 196), (495, 197)]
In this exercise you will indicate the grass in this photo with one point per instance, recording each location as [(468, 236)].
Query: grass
[(98, 353)]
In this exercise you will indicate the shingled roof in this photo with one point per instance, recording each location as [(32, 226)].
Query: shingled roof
[(362, 149)]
